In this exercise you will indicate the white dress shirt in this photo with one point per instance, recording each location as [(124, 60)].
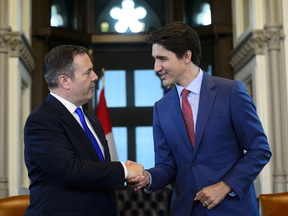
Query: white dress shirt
[(72, 107), (194, 95)]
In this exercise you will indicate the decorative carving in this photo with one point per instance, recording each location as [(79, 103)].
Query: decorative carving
[(252, 45), (16, 44), (274, 35), (257, 44), (21, 48), (4, 42)]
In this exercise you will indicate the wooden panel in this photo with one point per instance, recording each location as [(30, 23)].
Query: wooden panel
[(62, 33), (39, 85), (221, 49), (131, 117), (40, 14), (119, 38)]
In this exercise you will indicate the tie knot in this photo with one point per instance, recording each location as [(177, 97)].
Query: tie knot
[(185, 92), (79, 111)]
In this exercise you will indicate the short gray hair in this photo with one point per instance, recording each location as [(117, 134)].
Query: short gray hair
[(60, 61)]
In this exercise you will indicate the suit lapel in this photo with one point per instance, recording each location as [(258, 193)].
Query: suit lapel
[(71, 122), (176, 113), (100, 133), (206, 101)]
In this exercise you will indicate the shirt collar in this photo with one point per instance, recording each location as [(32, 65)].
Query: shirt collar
[(194, 86), (70, 106)]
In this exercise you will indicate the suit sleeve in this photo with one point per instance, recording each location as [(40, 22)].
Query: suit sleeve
[(165, 169), (252, 139), (49, 149)]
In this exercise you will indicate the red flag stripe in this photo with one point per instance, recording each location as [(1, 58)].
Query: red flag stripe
[(103, 114)]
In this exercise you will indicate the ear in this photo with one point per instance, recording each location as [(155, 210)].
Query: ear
[(187, 56), (64, 81)]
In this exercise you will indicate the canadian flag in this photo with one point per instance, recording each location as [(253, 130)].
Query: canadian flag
[(103, 115)]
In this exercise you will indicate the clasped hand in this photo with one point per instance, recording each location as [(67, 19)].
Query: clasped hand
[(137, 176)]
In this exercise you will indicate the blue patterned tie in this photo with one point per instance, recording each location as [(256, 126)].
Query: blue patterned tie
[(89, 133)]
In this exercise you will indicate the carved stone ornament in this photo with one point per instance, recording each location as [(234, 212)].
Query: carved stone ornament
[(20, 47), (4, 42), (250, 46), (274, 35)]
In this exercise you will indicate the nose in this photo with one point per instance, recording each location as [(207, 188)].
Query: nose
[(94, 76), (157, 66)]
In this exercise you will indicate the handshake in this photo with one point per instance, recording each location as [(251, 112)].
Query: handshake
[(137, 176)]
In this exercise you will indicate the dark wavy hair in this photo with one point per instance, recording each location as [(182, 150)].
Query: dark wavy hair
[(60, 61), (178, 37)]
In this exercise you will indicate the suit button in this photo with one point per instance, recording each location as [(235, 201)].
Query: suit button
[(111, 210), (194, 164), (192, 191)]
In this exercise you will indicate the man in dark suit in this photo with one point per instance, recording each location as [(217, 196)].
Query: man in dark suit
[(208, 138), (71, 173)]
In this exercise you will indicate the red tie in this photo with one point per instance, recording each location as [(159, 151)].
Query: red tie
[(188, 116)]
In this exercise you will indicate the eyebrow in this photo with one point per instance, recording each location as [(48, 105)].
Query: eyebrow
[(160, 57), (88, 70)]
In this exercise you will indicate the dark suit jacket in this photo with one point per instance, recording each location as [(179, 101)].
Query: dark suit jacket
[(227, 124), (67, 176)]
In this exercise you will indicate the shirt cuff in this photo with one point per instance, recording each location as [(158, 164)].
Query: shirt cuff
[(148, 189), (149, 185), (125, 170), (232, 193)]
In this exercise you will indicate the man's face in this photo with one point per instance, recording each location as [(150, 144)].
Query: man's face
[(170, 68), (84, 80)]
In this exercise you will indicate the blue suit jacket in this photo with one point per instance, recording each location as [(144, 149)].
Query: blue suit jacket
[(227, 124), (67, 176)]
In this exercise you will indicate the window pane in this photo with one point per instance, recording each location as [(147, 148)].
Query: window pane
[(63, 14), (115, 88), (198, 13), (57, 20), (209, 71), (120, 138), (145, 147), (154, 19), (207, 55), (147, 88), (128, 17)]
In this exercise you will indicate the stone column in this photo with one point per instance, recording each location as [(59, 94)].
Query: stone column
[(4, 52), (274, 35)]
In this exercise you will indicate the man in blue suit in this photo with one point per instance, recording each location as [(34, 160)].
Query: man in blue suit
[(66, 152), (214, 155)]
